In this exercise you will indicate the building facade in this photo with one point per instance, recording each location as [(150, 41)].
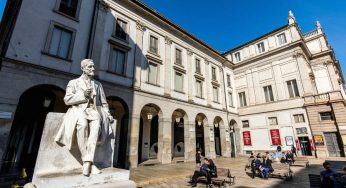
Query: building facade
[(169, 92)]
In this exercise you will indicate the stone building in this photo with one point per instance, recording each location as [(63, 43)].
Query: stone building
[(169, 92)]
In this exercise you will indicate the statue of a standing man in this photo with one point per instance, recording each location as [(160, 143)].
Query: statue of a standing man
[(88, 116)]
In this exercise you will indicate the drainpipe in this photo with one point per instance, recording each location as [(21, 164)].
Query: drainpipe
[(92, 30)]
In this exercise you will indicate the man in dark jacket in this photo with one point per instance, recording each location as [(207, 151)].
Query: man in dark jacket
[(203, 171), (255, 164)]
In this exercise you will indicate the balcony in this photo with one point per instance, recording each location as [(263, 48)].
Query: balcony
[(323, 98)]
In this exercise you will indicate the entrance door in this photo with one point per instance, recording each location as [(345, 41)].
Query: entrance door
[(332, 144), (305, 145)]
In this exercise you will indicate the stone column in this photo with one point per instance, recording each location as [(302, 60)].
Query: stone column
[(208, 82), (190, 140), (332, 75), (251, 91), (132, 147), (222, 93), (165, 141), (140, 28), (278, 82), (99, 33), (225, 145), (209, 145), (190, 75), (304, 73), (168, 66)]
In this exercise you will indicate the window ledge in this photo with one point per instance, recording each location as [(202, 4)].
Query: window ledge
[(154, 54), (217, 102), (153, 84), (200, 97), (180, 92), (65, 15), (120, 39), (55, 56)]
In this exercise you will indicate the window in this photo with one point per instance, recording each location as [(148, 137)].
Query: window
[(282, 39), (292, 88), (120, 29), (268, 93), (153, 45), (326, 116), (299, 118), (68, 7), (228, 80), (153, 73), (237, 57), (178, 56), (179, 82), (260, 47), (213, 73), (245, 123), (198, 66), (117, 61), (230, 98), (242, 99), (216, 94), (273, 121), (199, 89), (60, 42)]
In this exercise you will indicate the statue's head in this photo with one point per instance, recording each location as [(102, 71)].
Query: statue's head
[(87, 66)]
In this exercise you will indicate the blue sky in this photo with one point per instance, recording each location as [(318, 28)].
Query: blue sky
[(225, 24)]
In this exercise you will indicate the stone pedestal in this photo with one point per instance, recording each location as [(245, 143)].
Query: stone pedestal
[(56, 166)]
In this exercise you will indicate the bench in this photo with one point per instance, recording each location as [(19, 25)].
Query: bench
[(337, 165), (315, 181), (301, 161), (282, 170), (223, 176)]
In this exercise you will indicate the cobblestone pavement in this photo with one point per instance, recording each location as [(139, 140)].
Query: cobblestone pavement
[(177, 175)]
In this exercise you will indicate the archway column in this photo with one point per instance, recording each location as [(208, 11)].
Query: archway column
[(190, 140), (165, 141), (225, 141), (209, 144), (132, 148)]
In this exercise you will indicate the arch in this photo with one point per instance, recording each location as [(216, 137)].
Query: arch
[(28, 123), (218, 122), (148, 145), (120, 112), (234, 134), (179, 132), (201, 122)]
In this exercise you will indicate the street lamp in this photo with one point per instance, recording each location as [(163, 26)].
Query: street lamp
[(150, 114), (231, 128), (216, 125), (46, 102), (177, 119)]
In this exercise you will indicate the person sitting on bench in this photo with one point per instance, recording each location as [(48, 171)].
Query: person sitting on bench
[(203, 171)]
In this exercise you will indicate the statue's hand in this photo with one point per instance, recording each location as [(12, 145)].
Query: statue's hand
[(110, 118), (87, 93)]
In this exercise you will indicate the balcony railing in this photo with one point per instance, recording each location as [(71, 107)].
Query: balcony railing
[(323, 98), (310, 33)]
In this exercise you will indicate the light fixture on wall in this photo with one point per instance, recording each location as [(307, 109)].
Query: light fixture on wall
[(46, 102), (216, 125), (199, 121), (231, 128), (177, 119), (150, 114)]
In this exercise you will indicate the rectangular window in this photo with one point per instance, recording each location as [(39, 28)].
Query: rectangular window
[(242, 99), (213, 73), (292, 88), (245, 123), (228, 80), (273, 121), (237, 57), (68, 7), (179, 82), (268, 93), (230, 98), (282, 39), (260, 47), (178, 56), (216, 94), (198, 66), (326, 116), (60, 42), (153, 45), (299, 118), (117, 61), (121, 29), (153, 73), (199, 89)]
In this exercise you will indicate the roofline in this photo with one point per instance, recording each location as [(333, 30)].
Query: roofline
[(253, 40), (155, 13)]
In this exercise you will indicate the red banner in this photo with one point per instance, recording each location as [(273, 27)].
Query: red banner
[(247, 138), (275, 135)]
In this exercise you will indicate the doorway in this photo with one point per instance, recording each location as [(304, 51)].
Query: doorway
[(305, 145), (332, 143)]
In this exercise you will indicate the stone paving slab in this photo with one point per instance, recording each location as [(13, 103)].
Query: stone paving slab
[(177, 175)]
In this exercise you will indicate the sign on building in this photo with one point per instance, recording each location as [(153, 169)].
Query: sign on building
[(247, 138)]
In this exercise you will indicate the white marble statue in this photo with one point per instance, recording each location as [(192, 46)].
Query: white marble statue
[(88, 118)]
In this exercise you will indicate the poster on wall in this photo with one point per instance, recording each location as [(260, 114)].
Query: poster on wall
[(289, 140), (318, 139), (275, 136), (247, 138)]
